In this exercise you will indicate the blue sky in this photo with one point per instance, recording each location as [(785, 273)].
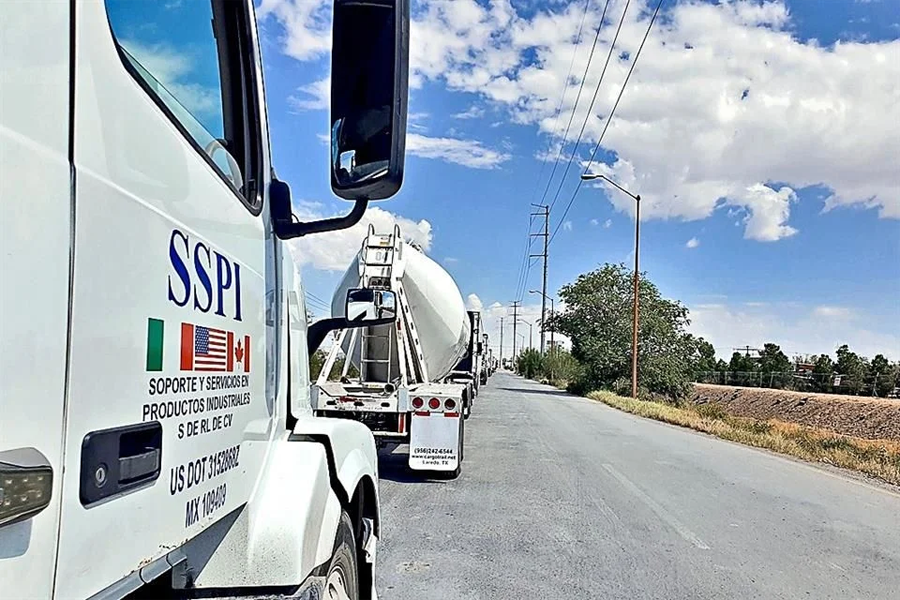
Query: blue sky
[(764, 138)]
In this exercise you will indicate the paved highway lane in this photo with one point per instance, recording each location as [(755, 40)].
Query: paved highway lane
[(562, 497)]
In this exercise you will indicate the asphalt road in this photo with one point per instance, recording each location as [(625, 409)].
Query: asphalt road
[(562, 497)]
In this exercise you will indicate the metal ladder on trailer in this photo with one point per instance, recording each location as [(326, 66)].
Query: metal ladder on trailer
[(376, 265)]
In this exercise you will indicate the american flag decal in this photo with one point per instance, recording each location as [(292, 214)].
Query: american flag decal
[(215, 350)]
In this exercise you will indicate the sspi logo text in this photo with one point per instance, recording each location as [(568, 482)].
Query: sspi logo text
[(203, 276)]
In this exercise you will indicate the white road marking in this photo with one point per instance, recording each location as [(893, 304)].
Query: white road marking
[(662, 513)]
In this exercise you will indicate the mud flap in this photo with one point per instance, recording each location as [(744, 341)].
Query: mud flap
[(434, 443)]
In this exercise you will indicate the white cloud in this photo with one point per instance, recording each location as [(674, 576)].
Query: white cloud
[(768, 210), (333, 251), (567, 225), (316, 95), (473, 112), (595, 222), (724, 101), (473, 302), (306, 23), (797, 330), (416, 121), (692, 243), (833, 312), (607, 223), (450, 260), (468, 153)]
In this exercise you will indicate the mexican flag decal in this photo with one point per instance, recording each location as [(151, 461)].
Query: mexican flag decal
[(155, 332)]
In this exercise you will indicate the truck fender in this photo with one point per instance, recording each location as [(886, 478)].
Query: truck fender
[(277, 538), (353, 461)]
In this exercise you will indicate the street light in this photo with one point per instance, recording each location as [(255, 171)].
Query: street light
[(552, 311), (530, 332), (520, 335), (637, 238)]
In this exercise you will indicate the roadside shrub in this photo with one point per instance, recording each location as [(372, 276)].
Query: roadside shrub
[(559, 367), (528, 363)]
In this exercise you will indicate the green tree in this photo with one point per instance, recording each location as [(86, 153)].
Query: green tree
[(705, 355), (775, 366), (598, 321), (741, 370), (316, 362), (823, 373), (852, 369), (882, 375), (773, 360), (741, 363)]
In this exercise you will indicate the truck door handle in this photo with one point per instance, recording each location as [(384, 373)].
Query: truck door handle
[(138, 466), (119, 460)]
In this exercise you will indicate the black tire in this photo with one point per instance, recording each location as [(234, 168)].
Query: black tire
[(344, 559)]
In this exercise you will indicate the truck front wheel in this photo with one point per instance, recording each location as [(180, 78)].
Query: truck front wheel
[(342, 580)]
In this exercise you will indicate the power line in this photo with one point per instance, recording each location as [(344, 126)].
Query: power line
[(610, 116), (587, 115), (313, 296), (316, 302), (575, 106), (562, 98), (525, 267)]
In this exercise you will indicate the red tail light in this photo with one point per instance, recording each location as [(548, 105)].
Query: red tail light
[(418, 403), (449, 403), (434, 404)]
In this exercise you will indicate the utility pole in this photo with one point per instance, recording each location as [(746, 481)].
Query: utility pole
[(545, 212), (552, 312), (515, 307), (501, 342)]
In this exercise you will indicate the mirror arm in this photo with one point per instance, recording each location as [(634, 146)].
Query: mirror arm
[(316, 332), (283, 215), (291, 229)]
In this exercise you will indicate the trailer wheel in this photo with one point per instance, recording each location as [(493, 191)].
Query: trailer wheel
[(342, 580)]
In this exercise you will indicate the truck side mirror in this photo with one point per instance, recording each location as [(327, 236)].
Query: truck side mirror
[(369, 89), (364, 308), (370, 307)]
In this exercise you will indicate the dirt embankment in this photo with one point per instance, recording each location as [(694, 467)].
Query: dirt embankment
[(868, 418)]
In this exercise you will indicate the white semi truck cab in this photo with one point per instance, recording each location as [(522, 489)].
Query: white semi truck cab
[(155, 418)]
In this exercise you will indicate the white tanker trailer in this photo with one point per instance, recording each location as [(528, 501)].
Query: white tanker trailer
[(399, 378)]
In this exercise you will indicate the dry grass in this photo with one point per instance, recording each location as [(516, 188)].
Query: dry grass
[(876, 458)]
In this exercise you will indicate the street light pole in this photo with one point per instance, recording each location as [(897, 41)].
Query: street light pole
[(530, 333), (636, 300)]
